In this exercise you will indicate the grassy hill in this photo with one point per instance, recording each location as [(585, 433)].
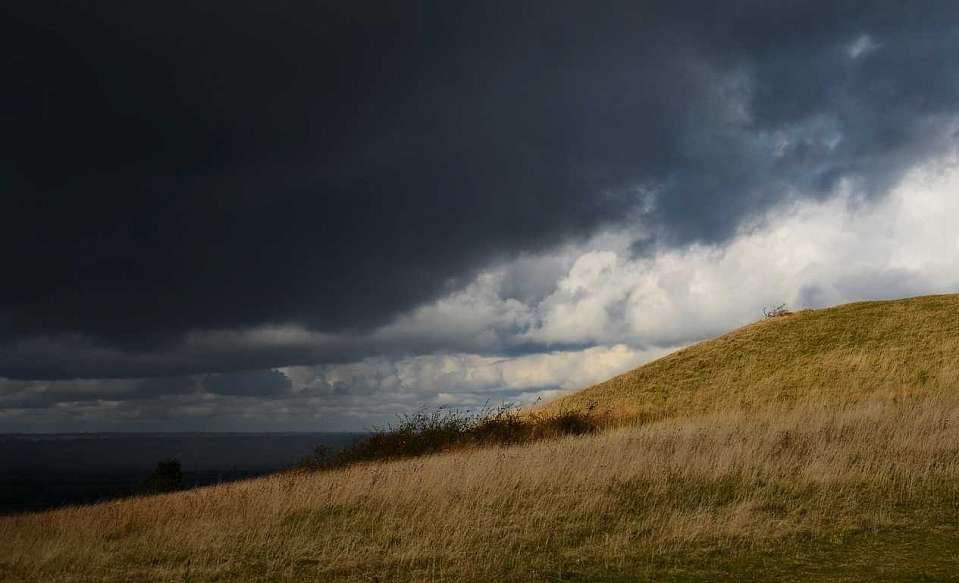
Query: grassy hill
[(818, 446), (841, 353)]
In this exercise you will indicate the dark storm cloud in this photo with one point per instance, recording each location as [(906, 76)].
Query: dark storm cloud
[(132, 393), (262, 383), (175, 167), (42, 394)]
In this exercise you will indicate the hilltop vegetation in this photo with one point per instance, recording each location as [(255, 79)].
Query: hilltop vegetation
[(818, 446)]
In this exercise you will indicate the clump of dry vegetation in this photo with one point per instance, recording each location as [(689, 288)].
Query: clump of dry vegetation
[(779, 311), (445, 430), (822, 446)]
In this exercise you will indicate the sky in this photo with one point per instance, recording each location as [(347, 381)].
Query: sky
[(314, 216)]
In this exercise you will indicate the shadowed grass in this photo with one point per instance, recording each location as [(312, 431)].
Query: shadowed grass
[(444, 430)]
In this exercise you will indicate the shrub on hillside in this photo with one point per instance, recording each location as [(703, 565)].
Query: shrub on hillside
[(777, 312), (427, 432), (166, 477)]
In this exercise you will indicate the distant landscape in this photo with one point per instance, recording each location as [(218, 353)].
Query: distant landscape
[(816, 445), (39, 471)]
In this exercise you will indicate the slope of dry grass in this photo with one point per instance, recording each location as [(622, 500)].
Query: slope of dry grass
[(819, 446), (697, 499), (846, 352)]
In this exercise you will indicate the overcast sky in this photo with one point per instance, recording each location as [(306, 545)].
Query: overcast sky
[(315, 215)]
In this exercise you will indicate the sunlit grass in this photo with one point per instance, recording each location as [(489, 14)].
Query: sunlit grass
[(659, 499), (844, 352), (812, 450)]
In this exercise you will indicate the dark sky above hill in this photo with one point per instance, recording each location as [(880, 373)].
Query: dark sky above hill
[(281, 215)]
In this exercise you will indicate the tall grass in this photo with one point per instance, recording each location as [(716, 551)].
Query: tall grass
[(786, 487), (822, 443)]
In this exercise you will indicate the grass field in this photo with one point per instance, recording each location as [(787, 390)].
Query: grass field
[(818, 446)]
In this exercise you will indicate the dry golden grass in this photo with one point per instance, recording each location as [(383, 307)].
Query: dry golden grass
[(628, 501), (846, 352), (823, 445)]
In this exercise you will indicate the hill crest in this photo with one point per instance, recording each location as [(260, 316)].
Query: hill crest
[(845, 352)]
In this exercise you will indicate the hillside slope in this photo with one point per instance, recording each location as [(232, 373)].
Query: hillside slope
[(855, 492), (822, 446), (846, 352)]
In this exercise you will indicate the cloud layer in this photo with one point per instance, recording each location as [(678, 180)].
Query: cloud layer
[(544, 323), (193, 190)]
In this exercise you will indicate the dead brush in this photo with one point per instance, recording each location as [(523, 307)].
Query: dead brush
[(427, 432), (777, 312)]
